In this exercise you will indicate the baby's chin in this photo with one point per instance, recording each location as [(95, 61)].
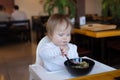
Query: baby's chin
[(62, 44)]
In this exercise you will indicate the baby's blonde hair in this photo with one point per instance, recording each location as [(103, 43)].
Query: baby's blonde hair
[(57, 19)]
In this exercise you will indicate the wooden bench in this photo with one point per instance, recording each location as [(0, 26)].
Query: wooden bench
[(38, 23), (11, 30), (22, 28), (82, 46)]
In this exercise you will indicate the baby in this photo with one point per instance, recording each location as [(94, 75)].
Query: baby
[(53, 53)]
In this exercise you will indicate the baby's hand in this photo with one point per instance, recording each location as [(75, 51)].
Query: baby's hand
[(63, 52)]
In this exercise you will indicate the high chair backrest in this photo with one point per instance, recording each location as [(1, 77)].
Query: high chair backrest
[(43, 41)]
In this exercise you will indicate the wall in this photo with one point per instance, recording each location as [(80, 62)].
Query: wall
[(31, 7), (35, 7), (93, 6), (8, 4)]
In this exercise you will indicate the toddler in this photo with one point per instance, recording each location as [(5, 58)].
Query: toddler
[(53, 53)]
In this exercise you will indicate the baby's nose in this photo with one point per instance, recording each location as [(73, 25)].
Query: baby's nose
[(65, 38)]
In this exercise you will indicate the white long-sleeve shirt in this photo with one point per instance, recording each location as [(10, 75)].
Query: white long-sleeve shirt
[(52, 58), (18, 15)]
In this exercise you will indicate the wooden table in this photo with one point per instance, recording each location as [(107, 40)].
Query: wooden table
[(99, 36), (2, 77), (110, 75)]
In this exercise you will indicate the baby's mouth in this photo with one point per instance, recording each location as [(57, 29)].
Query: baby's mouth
[(65, 42)]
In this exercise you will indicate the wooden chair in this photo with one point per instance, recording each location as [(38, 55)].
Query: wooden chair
[(21, 28), (82, 48), (11, 32), (84, 52), (4, 32), (113, 45), (40, 27)]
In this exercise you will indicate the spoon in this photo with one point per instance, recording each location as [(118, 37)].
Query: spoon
[(69, 61), (67, 57), (78, 61)]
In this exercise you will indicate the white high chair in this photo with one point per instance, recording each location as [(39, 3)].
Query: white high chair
[(38, 72), (43, 41), (38, 61)]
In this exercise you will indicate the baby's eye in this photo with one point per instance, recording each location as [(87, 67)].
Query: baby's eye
[(60, 34), (68, 34)]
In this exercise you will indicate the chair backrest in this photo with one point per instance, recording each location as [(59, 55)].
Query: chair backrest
[(21, 23), (43, 41), (3, 24)]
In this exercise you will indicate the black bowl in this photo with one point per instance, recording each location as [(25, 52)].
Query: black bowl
[(78, 71)]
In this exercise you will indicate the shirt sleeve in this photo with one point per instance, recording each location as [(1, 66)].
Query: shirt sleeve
[(51, 57), (48, 53)]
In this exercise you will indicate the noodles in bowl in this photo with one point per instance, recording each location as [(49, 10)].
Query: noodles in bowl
[(79, 67)]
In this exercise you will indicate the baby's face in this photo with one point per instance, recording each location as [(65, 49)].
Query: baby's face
[(61, 35)]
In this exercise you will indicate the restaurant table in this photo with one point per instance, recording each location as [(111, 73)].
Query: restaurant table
[(37, 72), (110, 75), (98, 40), (2, 77)]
